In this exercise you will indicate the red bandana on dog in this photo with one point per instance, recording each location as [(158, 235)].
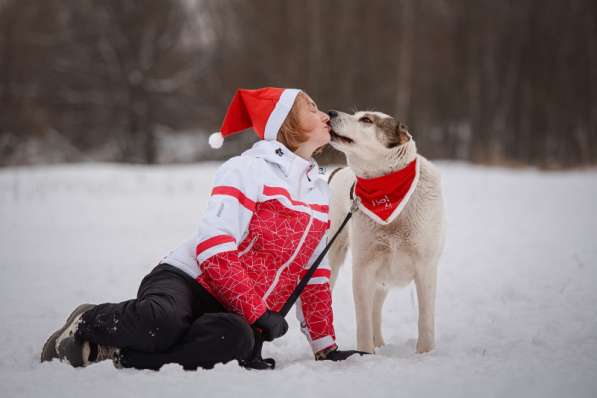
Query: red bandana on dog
[(383, 198)]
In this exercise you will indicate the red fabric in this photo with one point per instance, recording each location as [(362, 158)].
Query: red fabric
[(211, 242), (318, 272), (272, 191), (240, 282), (235, 193), (250, 108), (226, 278), (382, 195)]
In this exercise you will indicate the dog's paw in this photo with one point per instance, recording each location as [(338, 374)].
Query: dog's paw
[(378, 341), (425, 345), (369, 348)]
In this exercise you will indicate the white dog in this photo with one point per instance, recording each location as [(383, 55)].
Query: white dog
[(397, 233)]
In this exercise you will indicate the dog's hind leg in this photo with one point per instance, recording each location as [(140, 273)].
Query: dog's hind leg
[(378, 300), (426, 281)]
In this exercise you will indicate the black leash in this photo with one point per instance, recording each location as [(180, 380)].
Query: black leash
[(299, 288), (257, 361)]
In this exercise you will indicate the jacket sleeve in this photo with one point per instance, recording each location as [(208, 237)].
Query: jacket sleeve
[(314, 307), (222, 228)]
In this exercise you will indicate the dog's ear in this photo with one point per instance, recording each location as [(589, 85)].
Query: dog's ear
[(399, 134), (402, 133)]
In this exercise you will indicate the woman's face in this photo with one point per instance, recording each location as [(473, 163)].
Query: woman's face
[(313, 122)]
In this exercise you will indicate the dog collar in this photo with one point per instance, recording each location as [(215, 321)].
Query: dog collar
[(383, 198)]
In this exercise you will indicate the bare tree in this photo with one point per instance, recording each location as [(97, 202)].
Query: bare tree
[(481, 80), (406, 42)]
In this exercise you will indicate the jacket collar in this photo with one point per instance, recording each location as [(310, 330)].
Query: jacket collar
[(291, 164)]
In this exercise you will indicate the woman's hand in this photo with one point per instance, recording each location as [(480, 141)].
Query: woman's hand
[(272, 325)]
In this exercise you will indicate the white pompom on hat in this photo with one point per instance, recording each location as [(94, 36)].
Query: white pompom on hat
[(216, 140), (263, 109)]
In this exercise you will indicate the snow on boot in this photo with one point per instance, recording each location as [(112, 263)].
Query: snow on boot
[(81, 353), (49, 350)]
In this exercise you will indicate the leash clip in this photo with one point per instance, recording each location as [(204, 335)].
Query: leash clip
[(355, 204), (355, 199)]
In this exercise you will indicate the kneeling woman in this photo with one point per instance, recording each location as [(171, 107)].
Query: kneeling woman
[(266, 222)]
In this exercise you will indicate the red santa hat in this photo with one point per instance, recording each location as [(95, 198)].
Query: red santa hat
[(264, 109)]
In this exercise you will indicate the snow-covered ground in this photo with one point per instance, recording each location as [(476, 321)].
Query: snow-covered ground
[(516, 306)]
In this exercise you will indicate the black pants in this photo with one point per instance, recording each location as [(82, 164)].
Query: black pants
[(172, 320)]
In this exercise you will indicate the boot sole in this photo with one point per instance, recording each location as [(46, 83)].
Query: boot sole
[(48, 352)]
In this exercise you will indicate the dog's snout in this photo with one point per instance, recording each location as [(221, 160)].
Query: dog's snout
[(333, 113)]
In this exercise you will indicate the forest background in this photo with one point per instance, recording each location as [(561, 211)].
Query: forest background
[(146, 81)]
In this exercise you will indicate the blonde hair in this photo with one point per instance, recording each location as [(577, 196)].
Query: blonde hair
[(291, 134)]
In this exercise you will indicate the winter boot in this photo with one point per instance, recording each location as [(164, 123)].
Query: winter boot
[(49, 351), (81, 353)]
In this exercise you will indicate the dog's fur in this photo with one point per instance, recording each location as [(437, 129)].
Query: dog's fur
[(383, 256)]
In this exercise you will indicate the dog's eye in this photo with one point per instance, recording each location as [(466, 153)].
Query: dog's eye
[(365, 119)]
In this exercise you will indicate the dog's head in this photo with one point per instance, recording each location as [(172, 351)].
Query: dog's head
[(371, 141)]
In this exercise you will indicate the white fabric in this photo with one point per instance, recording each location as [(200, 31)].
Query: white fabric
[(278, 115), (321, 343), (299, 207), (318, 280), (225, 215), (266, 163)]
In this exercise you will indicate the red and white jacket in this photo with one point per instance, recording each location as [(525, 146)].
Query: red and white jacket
[(265, 224)]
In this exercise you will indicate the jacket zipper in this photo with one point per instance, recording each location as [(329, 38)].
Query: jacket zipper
[(291, 259), (249, 246)]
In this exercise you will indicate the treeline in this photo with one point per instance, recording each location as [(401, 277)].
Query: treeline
[(481, 80)]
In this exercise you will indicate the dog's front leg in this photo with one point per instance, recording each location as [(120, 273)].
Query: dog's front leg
[(363, 286), (426, 280), (378, 300)]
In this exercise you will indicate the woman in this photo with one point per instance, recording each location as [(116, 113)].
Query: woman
[(264, 226)]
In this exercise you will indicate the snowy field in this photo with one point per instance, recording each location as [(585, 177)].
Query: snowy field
[(516, 306)]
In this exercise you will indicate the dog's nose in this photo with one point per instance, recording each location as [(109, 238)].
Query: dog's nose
[(332, 113)]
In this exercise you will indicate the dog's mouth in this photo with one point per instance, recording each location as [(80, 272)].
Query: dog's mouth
[(335, 137)]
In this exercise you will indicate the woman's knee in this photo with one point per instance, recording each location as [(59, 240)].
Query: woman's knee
[(244, 335), (228, 327), (162, 325)]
